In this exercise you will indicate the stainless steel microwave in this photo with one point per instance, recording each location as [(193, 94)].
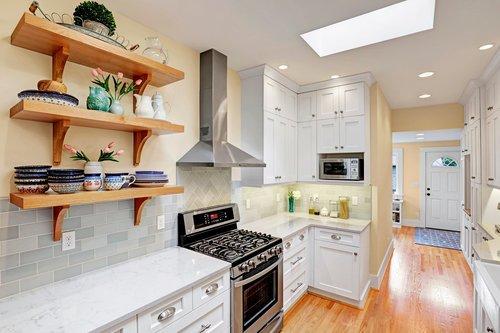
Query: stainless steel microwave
[(341, 168)]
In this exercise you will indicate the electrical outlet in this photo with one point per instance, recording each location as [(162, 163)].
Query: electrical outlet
[(247, 204), (160, 222), (355, 200), (68, 241)]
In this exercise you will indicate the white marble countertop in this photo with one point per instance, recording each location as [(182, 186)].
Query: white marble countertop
[(286, 224), (490, 229), (489, 251), (102, 299)]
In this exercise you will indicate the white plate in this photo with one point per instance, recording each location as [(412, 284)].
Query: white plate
[(149, 184)]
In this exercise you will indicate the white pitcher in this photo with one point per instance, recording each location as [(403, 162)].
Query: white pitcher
[(143, 107), (159, 106)]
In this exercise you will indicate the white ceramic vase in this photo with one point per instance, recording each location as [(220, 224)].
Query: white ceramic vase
[(94, 168)]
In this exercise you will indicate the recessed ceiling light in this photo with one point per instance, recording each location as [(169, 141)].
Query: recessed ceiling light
[(426, 74), (420, 134), (282, 66), (424, 96), (401, 19), (335, 76), (485, 47)]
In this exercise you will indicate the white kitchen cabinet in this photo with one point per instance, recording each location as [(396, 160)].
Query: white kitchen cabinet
[(307, 106), (486, 299), (473, 107), (475, 151), (352, 134), (274, 96), (492, 158), (290, 110), (328, 136), (307, 158), (467, 237), (492, 94), (291, 159), (129, 326), (351, 100), (270, 137), (328, 103)]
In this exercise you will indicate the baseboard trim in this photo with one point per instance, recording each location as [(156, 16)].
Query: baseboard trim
[(341, 299), (377, 279), (412, 223)]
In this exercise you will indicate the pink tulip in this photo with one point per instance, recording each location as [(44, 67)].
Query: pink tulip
[(107, 150), (70, 148), (119, 152), (120, 75), (111, 144), (100, 71), (138, 82), (94, 73)]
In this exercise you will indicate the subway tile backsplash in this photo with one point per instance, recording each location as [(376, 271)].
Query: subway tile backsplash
[(105, 235)]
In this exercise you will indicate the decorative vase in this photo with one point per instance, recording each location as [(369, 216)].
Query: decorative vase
[(291, 205), (116, 107), (92, 168), (98, 99)]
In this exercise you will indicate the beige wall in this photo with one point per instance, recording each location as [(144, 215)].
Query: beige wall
[(428, 118), (381, 177), (411, 174), (26, 142)]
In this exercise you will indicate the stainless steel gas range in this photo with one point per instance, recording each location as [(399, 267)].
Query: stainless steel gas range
[(256, 265)]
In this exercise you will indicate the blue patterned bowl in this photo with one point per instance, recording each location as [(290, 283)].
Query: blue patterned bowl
[(66, 188)]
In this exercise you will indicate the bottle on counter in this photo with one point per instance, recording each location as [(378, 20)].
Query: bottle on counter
[(334, 208), (311, 205), (343, 208), (317, 207)]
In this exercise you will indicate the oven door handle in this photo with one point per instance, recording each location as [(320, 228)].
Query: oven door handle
[(258, 275)]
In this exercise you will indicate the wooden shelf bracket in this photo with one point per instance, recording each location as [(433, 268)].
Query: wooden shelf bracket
[(59, 130), (140, 138), (59, 213), (59, 59), (139, 204)]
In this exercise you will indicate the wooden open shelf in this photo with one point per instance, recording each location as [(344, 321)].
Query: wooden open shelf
[(65, 116), (40, 35), (61, 202)]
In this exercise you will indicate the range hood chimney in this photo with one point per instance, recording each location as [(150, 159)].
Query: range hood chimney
[(213, 150)]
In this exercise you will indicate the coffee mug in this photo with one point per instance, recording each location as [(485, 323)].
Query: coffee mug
[(113, 182), (129, 180), (92, 181)]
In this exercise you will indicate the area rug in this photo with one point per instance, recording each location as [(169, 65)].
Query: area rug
[(438, 238)]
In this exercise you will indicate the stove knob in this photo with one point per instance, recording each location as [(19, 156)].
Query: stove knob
[(272, 251), (279, 250), (251, 263), (244, 267), (262, 257)]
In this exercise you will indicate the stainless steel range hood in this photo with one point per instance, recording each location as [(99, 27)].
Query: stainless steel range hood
[(213, 150)]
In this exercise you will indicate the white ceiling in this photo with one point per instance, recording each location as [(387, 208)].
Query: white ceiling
[(439, 135), (253, 32)]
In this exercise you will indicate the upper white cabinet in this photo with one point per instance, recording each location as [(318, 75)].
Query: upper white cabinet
[(475, 151), (328, 103), (291, 165), (307, 106), (290, 111), (352, 100), (492, 158), (279, 100), (307, 168), (328, 136), (492, 94), (472, 108), (341, 135)]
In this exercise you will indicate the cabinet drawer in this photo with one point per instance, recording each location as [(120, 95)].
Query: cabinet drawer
[(129, 326), (336, 236), (294, 243), (165, 313), (294, 289), (491, 308), (295, 263), (213, 317), (210, 289)]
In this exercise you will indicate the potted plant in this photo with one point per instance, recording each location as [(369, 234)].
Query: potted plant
[(96, 17)]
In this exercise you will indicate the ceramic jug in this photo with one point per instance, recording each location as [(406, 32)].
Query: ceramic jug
[(159, 106), (144, 108), (98, 99)]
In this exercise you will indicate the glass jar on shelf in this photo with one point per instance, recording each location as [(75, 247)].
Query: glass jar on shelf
[(154, 50)]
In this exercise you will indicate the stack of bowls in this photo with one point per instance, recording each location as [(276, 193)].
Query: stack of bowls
[(66, 181), (150, 178), (32, 178)]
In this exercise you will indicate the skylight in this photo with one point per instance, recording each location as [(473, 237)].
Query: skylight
[(401, 19)]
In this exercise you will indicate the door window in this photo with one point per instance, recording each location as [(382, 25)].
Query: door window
[(446, 162)]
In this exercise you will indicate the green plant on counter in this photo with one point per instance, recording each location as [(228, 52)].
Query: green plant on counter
[(94, 11)]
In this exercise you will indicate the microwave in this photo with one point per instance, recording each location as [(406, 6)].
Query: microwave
[(340, 168)]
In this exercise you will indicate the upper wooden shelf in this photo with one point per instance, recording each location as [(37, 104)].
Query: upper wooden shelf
[(40, 35)]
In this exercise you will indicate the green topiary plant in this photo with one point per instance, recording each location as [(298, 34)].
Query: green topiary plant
[(94, 11)]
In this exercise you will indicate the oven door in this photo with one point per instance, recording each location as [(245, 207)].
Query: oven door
[(257, 299), (334, 168)]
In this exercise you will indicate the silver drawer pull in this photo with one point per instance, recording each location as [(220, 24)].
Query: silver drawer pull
[(287, 245), (301, 237), (336, 237), (296, 261), (205, 327), (296, 288), (167, 313), (212, 288)]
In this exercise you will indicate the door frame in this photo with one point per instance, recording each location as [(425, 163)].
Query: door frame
[(423, 169)]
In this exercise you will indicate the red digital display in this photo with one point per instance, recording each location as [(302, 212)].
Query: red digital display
[(214, 216)]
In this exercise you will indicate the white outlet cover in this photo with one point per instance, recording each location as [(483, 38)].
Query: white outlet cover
[(160, 222), (68, 241), (355, 200), (248, 204)]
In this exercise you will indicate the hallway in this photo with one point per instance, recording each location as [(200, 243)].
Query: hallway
[(425, 289)]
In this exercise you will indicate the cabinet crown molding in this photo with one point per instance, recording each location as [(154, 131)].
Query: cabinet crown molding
[(270, 72)]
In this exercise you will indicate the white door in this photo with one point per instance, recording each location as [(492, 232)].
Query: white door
[(328, 103), (307, 163), (307, 106), (291, 147), (269, 147), (442, 190), (352, 134), (328, 136), (351, 100)]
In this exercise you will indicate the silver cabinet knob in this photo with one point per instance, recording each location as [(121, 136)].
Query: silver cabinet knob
[(341, 112), (296, 288), (296, 261), (167, 313), (212, 288), (313, 176), (489, 329), (336, 237), (287, 245), (313, 115), (336, 147), (301, 237), (355, 253), (205, 327)]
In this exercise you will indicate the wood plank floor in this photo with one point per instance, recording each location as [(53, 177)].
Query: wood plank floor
[(425, 289)]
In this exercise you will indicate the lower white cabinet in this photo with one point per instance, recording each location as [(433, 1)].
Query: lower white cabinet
[(486, 301), (129, 326)]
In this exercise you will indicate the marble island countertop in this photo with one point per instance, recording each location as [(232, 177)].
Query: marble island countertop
[(489, 251), (101, 299), (286, 224)]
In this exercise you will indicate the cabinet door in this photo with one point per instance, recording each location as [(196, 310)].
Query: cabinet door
[(352, 134), (328, 136), (271, 95), (492, 157), (290, 109), (490, 95), (475, 146), (351, 100), (280, 150), (307, 158), (130, 326), (475, 203), (328, 259), (473, 107), (291, 148), (306, 106), (270, 138), (328, 103)]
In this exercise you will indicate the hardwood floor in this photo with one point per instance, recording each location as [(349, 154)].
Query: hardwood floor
[(425, 289)]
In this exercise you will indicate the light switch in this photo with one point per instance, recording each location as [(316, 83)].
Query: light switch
[(160, 222), (355, 200), (247, 204)]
